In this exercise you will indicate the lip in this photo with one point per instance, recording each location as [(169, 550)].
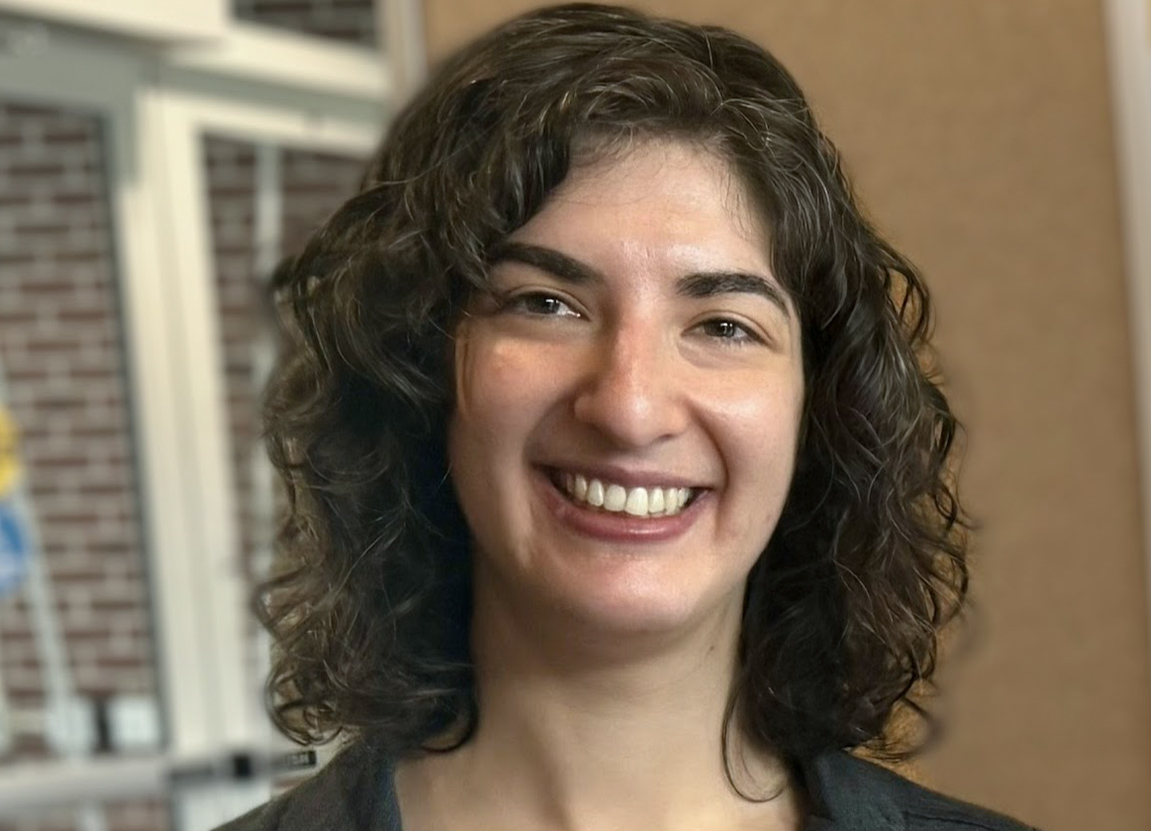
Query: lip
[(616, 527)]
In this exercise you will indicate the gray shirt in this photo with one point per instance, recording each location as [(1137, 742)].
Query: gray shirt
[(355, 792)]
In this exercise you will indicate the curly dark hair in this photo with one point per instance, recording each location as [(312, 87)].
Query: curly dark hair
[(370, 606)]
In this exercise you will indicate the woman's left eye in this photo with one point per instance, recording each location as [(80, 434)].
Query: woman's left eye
[(728, 330), (539, 303)]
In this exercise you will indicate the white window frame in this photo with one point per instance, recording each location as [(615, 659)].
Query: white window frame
[(167, 20), (1128, 32), (254, 84), (177, 121)]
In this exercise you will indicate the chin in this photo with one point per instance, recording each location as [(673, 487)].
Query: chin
[(641, 611)]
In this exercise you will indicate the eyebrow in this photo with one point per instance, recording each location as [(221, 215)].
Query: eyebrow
[(696, 285)]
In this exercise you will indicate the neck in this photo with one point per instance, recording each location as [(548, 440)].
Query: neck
[(584, 732)]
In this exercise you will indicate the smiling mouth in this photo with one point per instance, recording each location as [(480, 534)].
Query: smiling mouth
[(612, 498)]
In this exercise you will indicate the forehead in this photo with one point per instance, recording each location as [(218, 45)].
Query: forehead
[(661, 200)]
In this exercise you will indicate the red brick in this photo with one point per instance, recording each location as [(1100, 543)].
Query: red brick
[(53, 345), (54, 286), (17, 317), (82, 315), (79, 256), (47, 462)]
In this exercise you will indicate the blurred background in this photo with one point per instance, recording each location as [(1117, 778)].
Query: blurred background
[(157, 159)]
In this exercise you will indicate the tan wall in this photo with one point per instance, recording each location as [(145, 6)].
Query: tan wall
[(979, 133)]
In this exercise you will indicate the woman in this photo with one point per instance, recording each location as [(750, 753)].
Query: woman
[(620, 496)]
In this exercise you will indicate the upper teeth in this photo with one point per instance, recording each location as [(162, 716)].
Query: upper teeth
[(617, 498)]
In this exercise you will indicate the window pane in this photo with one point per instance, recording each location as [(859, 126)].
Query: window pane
[(306, 187), (352, 21)]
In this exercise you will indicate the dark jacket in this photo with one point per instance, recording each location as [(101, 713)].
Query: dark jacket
[(354, 793)]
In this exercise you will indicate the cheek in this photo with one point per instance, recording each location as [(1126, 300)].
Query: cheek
[(761, 416), (478, 435), (758, 433), (501, 398), (500, 390)]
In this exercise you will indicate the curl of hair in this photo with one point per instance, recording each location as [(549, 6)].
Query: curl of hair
[(369, 609)]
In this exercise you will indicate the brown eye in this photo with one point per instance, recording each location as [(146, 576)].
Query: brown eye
[(544, 305), (727, 330)]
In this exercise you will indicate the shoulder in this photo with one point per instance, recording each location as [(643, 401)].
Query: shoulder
[(850, 793), (351, 793)]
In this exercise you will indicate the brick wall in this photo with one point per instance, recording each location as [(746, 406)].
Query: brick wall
[(61, 346), (347, 20), (230, 171), (314, 185)]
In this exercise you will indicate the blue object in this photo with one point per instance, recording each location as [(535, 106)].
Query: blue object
[(14, 548)]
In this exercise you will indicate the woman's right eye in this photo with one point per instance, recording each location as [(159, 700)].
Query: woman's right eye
[(541, 304)]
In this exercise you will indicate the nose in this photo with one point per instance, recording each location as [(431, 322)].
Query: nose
[(631, 391)]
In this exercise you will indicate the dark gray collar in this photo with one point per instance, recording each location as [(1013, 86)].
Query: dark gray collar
[(850, 794), (356, 792), (353, 792)]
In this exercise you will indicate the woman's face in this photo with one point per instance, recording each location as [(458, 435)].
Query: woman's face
[(628, 400)]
